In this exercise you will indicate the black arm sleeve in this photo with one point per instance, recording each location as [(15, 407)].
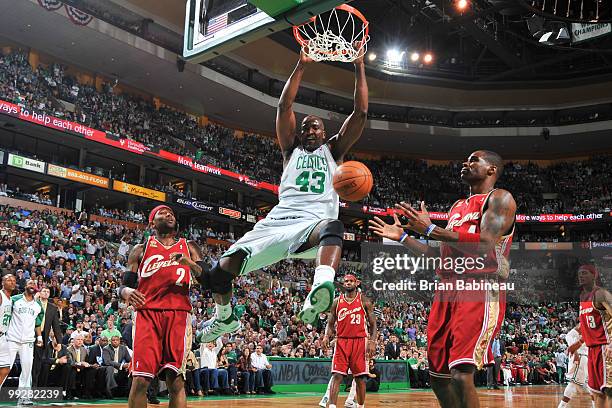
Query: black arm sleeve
[(130, 280), (204, 278)]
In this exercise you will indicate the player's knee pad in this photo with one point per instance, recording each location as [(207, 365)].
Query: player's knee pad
[(332, 233), (220, 280), (570, 390)]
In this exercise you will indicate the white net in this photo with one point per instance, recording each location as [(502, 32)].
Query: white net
[(339, 35)]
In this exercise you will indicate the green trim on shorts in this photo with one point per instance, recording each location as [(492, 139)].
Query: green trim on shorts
[(307, 234), (232, 251)]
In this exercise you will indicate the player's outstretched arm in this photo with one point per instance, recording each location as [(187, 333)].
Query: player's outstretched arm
[(285, 117), (372, 329), (396, 232), (128, 290), (352, 128), (496, 221)]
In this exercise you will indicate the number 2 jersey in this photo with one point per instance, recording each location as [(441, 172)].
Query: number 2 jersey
[(306, 188), (595, 324), (164, 282), (350, 318)]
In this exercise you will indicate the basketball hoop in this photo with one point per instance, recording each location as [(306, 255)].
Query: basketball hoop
[(343, 36)]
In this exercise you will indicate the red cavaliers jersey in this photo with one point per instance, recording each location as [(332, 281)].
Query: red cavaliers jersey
[(350, 318), (595, 324), (163, 282), (465, 216)]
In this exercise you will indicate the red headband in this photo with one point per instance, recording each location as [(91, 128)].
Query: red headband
[(350, 275), (590, 268), (156, 210)]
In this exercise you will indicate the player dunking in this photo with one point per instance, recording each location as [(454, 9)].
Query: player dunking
[(596, 329), (462, 324), (353, 323), (304, 224), (577, 366), (157, 284)]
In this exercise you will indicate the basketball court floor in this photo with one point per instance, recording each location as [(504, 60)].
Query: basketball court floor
[(540, 396)]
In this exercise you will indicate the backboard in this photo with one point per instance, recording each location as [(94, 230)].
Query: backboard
[(213, 27)]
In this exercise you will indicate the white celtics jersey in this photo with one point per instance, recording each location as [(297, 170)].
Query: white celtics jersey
[(306, 189), (5, 312), (573, 337), (24, 318)]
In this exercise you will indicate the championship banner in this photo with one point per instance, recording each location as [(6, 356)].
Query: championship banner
[(26, 163), (138, 191), (196, 205), (76, 175), (582, 32)]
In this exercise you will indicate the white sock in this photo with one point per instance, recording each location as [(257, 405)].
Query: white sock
[(323, 273), (224, 311), (329, 384), (562, 404), (593, 404), (353, 392), (360, 406), (332, 405)]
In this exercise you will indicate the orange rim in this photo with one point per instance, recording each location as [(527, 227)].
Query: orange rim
[(303, 42)]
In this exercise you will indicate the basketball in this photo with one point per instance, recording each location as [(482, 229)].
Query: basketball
[(352, 181)]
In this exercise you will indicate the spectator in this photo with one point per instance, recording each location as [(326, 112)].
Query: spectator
[(118, 357), (263, 373)]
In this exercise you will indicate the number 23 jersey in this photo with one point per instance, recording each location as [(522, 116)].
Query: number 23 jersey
[(350, 318), (306, 189), (164, 282)]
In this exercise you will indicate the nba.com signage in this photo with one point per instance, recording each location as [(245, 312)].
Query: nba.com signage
[(26, 163), (196, 205), (317, 371)]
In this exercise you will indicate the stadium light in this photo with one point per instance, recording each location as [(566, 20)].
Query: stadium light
[(428, 58), (394, 56), (414, 57), (371, 56), (461, 5)]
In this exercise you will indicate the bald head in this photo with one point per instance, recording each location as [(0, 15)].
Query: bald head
[(493, 159)]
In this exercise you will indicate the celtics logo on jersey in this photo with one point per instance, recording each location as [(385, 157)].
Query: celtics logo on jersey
[(313, 175)]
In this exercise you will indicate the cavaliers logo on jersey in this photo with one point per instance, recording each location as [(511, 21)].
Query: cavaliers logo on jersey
[(344, 312), (153, 264)]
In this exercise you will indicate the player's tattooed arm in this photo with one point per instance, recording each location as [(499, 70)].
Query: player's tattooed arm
[(352, 128), (285, 117), (372, 329), (128, 290), (330, 329)]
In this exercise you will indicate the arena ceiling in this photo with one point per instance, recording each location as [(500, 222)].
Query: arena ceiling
[(203, 91)]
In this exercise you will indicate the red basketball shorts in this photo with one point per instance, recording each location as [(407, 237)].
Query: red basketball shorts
[(350, 353), (600, 369), (461, 327), (161, 339)]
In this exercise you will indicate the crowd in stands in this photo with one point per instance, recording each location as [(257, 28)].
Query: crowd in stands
[(580, 186), (81, 263)]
